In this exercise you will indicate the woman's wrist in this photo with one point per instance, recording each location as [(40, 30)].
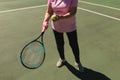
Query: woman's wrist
[(67, 15)]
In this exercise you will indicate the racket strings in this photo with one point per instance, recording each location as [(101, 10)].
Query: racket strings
[(33, 55)]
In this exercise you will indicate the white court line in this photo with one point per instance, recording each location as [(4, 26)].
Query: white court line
[(99, 5), (25, 8), (19, 9), (114, 18)]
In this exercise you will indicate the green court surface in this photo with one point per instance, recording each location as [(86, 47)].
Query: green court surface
[(98, 35)]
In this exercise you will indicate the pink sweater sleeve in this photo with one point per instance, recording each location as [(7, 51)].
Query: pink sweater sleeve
[(74, 3)]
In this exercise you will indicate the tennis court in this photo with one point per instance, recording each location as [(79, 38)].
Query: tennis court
[(98, 24)]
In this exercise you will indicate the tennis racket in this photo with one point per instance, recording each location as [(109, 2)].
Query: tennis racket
[(33, 53)]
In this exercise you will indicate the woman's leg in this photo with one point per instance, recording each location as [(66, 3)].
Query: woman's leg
[(72, 36), (60, 43)]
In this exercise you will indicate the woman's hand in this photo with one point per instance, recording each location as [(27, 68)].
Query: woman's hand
[(45, 26)]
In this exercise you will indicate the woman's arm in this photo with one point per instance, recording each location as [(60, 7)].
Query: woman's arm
[(48, 14), (71, 12)]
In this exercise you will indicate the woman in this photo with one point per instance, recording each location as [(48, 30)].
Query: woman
[(65, 22)]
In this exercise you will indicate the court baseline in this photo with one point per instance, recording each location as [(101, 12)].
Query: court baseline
[(33, 7)]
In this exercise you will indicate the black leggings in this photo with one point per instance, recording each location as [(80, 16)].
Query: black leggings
[(72, 37)]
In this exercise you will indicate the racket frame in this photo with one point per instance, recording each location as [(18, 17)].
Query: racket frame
[(40, 42)]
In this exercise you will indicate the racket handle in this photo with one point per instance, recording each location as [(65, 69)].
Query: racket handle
[(42, 33)]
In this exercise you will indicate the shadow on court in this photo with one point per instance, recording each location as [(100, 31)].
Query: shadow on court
[(88, 74)]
